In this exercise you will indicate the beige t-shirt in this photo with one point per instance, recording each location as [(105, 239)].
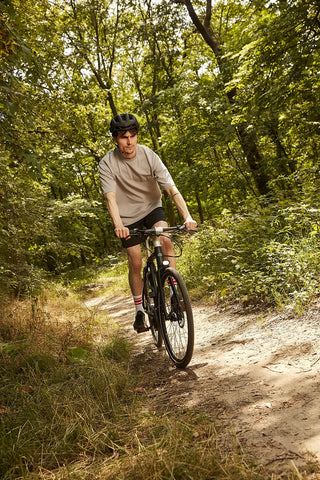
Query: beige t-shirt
[(134, 181)]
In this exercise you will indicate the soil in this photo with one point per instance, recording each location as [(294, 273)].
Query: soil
[(258, 372)]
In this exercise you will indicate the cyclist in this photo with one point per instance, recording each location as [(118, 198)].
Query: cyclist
[(130, 176)]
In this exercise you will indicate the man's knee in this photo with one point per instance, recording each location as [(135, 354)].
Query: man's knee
[(166, 244)]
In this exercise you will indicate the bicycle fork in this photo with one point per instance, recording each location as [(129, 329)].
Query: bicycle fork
[(157, 255)]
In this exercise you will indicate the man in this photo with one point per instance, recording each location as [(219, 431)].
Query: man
[(130, 177)]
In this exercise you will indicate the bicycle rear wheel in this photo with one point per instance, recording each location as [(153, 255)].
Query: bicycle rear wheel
[(176, 319), (149, 303)]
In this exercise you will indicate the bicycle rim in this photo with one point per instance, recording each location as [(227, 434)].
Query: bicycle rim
[(148, 303), (177, 319)]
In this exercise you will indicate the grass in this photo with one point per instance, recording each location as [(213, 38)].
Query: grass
[(75, 408), (59, 391), (108, 277), (179, 449)]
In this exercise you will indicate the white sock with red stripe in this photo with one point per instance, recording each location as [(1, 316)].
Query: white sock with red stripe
[(138, 303), (174, 281)]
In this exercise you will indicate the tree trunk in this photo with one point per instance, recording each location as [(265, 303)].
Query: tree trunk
[(245, 133), (286, 165), (200, 209), (248, 143)]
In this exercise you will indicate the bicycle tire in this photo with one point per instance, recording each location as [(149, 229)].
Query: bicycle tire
[(177, 324), (149, 304)]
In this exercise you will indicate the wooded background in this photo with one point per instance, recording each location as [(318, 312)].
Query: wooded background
[(227, 93)]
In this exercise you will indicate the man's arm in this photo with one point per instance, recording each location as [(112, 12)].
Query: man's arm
[(179, 202), (120, 230)]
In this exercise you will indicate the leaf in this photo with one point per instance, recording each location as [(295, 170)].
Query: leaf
[(77, 355), (11, 349)]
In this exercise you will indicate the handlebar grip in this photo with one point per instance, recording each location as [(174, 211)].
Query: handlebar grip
[(134, 231)]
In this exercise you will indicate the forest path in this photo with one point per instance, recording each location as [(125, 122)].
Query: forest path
[(258, 372)]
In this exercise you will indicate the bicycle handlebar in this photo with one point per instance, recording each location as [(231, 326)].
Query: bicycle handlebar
[(159, 230)]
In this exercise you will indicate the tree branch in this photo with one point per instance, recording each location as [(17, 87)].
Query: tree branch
[(207, 19), (203, 29)]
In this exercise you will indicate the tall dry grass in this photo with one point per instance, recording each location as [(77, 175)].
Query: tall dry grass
[(60, 392)]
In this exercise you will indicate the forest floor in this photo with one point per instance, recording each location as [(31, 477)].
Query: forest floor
[(257, 372)]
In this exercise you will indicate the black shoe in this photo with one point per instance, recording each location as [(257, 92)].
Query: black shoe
[(139, 324)]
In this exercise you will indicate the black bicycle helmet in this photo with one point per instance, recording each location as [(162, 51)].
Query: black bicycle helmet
[(123, 122)]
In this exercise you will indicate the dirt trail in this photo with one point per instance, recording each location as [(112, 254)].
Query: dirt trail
[(259, 372)]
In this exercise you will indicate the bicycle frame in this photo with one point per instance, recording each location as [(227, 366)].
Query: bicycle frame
[(157, 254)]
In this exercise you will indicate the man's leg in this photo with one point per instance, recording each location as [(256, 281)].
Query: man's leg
[(135, 282), (167, 247), (135, 266)]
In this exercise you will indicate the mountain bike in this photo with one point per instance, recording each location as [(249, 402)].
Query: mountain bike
[(165, 298)]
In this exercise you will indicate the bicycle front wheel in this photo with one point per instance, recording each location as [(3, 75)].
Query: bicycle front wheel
[(177, 319)]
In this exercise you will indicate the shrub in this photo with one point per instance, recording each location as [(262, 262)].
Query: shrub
[(270, 255)]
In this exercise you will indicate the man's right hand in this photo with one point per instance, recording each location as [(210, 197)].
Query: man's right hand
[(121, 232)]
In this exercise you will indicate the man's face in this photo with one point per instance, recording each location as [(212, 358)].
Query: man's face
[(127, 142)]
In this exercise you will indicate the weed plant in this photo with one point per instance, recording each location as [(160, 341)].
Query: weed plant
[(268, 255)]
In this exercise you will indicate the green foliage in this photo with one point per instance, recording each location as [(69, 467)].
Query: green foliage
[(271, 255), (68, 66)]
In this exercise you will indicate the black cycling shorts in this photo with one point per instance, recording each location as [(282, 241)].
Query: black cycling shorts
[(157, 215)]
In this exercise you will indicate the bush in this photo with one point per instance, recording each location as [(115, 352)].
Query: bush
[(270, 255)]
